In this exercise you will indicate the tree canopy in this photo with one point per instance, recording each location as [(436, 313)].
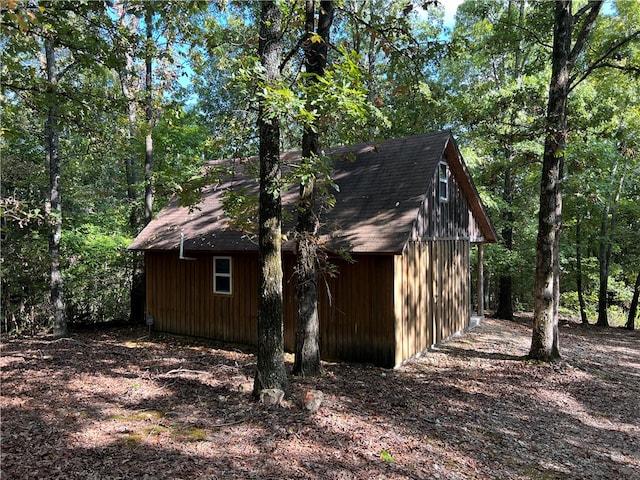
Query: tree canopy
[(393, 69)]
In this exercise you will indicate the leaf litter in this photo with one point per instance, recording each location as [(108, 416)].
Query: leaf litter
[(112, 403)]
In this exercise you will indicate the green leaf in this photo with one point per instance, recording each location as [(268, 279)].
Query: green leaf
[(386, 456)]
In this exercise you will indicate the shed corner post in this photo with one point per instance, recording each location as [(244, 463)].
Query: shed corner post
[(480, 282), (398, 310)]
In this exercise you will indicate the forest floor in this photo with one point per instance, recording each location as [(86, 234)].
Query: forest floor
[(115, 404)]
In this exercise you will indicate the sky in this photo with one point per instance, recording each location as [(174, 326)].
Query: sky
[(450, 8)]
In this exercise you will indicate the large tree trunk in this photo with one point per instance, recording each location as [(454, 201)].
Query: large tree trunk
[(307, 348), (54, 200), (633, 309), (579, 286), (544, 341), (271, 372)]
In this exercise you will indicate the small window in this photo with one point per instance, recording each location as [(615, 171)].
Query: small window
[(222, 275), (443, 182)]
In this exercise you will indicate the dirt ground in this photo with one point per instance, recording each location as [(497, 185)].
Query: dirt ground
[(115, 404)]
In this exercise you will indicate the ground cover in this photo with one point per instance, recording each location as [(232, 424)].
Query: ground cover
[(114, 403)]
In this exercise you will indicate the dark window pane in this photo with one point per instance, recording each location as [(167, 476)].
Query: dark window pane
[(223, 284), (223, 265)]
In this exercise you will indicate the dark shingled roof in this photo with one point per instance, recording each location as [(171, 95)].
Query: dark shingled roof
[(381, 187)]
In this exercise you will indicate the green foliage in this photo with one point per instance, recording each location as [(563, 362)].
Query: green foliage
[(391, 72), (386, 456), (96, 274), (241, 204)]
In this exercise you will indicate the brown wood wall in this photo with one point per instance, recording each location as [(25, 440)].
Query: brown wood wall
[(378, 309), (356, 320), (430, 306), (450, 219), (180, 297), (355, 309)]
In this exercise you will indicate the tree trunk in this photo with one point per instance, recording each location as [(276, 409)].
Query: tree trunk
[(603, 285), (148, 140), (633, 309), (543, 339), (307, 348), (579, 286), (505, 284), (54, 200), (137, 293), (606, 244), (271, 371)]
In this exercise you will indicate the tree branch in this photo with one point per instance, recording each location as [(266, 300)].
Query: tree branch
[(600, 62), (592, 11), (292, 52)]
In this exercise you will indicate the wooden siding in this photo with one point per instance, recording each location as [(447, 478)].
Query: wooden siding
[(446, 219), (356, 319), (355, 309), (432, 294), (180, 297)]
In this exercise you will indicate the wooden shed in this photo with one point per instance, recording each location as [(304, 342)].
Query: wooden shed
[(406, 211)]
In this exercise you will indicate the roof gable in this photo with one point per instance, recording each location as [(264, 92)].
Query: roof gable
[(381, 188)]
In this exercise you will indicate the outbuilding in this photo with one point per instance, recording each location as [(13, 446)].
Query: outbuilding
[(406, 215)]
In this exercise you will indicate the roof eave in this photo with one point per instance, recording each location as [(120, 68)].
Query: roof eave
[(459, 169)]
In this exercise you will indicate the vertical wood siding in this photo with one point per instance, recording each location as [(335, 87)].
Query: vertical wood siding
[(378, 309), (356, 319), (446, 219), (432, 294), (181, 299), (355, 309)]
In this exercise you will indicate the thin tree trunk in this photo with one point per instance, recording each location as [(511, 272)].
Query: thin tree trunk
[(603, 285), (307, 348), (137, 293), (583, 309), (505, 285), (271, 372), (54, 200), (633, 309), (604, 257), (148, 141)]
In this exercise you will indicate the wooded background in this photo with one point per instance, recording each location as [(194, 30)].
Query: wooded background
[(108, 109)]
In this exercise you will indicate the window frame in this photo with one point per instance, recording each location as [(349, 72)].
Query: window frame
[(217, 275), (443, 181)]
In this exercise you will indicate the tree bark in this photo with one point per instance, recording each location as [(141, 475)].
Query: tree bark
[(54, 200), (307, 348), (545, 320), (505, 284), (148, 140), (633, 309), (271, 371), (579, 286), (544, 339)]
